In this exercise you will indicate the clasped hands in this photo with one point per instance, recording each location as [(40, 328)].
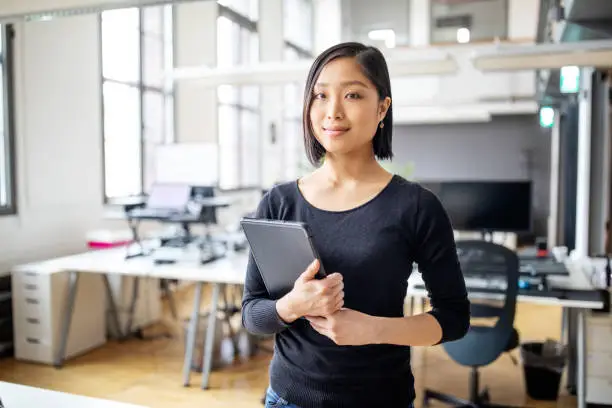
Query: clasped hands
[(321, 302)]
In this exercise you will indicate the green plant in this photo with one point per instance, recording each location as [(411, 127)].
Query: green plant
[(406, 169)]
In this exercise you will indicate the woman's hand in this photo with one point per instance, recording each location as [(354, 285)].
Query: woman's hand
[(311, 296), (347, 327)]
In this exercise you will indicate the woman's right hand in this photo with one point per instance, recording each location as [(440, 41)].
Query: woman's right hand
[(311, 296)]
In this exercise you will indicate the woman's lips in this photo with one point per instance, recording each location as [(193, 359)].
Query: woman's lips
[(335, 131)]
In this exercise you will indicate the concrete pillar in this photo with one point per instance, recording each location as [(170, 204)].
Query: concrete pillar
[(328, 24), (555, 179), (419, 23), (584, 162), (196, 45), (599, 191), (271, 47)]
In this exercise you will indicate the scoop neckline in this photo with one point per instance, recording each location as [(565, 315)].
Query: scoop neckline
[(348, 210)]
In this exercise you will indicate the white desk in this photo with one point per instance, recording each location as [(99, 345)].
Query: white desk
[(21, 396), (228, 270)]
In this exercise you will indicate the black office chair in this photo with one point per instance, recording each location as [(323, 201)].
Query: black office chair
[(482, 345)]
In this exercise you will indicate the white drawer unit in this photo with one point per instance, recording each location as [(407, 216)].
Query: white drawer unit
[(599, 359), (38, 308)]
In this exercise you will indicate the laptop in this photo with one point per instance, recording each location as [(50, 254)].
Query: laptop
[(165, 200)]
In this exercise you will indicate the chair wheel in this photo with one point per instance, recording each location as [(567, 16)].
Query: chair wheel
[(485, 396)]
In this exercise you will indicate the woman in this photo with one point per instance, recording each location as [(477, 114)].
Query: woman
[(352, 348)]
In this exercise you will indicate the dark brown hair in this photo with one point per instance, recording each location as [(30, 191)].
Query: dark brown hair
[(374, 67)]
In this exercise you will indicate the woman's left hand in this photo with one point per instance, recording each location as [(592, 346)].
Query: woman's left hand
[(346, 327)]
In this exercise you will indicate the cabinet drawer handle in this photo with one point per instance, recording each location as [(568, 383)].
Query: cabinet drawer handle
[(32, 320), (32, 301), (31, 287), (30, 274), (32, 340)]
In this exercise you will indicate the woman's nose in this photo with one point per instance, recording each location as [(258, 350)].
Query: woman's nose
[(334, 110)]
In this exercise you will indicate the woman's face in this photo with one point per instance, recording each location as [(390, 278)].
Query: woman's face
[(346, 110)]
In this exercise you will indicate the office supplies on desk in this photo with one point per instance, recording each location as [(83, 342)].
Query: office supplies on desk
[(282, 250)]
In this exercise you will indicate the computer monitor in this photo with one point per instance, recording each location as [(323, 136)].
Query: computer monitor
[(169, 196), (486, 205)]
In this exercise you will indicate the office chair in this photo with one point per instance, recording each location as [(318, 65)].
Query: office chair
[(482, 345)]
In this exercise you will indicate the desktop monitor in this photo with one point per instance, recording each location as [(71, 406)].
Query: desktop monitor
[(486, 205), (169, 196)]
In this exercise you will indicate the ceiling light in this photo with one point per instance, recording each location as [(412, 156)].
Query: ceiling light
[(463, 35), (386, 35)]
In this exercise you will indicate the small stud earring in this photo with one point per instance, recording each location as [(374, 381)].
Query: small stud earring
[(382, 125)]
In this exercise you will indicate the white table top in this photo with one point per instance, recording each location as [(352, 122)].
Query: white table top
[(21, 396), (570, 282), (230, 269)]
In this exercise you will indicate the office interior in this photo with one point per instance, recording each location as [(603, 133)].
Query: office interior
[(136, 135)]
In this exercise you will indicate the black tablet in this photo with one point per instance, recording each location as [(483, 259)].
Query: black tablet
[(282, 251)]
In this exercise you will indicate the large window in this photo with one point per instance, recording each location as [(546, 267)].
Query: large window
[(298, 25), (239, 114), (298, 31), (464, 22), (138, 101), (7, 151)]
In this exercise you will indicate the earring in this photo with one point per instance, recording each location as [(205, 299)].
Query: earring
[(382, 125)]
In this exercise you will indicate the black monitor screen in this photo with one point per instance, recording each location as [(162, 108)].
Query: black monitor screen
[(486, 205)]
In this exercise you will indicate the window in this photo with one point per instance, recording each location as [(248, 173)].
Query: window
[(468, 21), (8, 202), (298, 24), (238, 114), (298, 31), (138, 102)]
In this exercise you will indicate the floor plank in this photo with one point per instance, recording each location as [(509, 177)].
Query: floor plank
[(149, 372)]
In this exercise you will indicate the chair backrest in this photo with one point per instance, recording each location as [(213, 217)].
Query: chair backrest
[(482, 345), (208, 215)]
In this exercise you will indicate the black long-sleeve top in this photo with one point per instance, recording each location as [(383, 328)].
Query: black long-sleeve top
[(374, 247)]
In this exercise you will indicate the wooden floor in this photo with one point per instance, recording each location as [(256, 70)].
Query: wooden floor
[(149, 372)]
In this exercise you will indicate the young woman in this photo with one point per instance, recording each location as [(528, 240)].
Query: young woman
[(352, 349)]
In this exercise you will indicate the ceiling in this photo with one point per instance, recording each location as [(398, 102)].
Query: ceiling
[(587, 20), (580, 20)]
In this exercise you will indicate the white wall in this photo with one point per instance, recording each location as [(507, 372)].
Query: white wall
[(58, 140), (361, 16), (507, 148), (523, 19)]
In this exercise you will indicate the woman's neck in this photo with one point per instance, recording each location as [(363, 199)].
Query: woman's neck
[(340, 169)]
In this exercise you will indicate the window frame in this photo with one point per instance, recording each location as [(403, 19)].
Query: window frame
[(241, 108), (143, 88), (8, 71)]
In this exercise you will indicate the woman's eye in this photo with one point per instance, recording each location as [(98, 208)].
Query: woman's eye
[(353, 95), (319, 96)]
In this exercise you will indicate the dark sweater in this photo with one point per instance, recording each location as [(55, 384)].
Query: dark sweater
[(374, 247)]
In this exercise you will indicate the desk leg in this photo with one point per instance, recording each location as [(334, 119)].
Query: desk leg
[(132, 310), (571, 342), (210, 336), (73, 281), (581, 372), (113, 307), (191, 333)]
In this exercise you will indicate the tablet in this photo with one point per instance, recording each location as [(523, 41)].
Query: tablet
[(282, 251)]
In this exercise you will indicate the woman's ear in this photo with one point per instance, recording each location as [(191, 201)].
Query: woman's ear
[(384, 107)]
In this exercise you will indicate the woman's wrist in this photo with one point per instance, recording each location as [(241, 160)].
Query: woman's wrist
[(286, 310)]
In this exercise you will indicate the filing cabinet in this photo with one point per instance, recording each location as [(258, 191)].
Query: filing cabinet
[(38, 301), (599, 359)]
